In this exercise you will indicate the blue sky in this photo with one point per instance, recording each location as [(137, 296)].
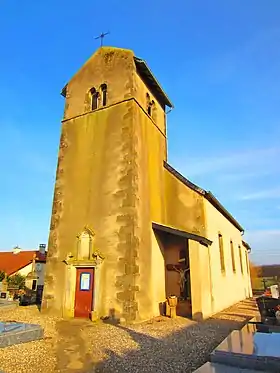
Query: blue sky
[(217, 60)]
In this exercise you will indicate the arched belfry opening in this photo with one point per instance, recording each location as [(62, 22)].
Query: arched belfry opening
[(103, 88), (94, 95)]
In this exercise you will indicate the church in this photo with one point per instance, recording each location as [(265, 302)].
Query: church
[(128, 230)]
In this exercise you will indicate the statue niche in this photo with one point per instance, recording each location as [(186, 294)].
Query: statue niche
[(85, 252), (85, 245)]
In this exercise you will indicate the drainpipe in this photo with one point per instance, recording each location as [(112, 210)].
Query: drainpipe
[(210, 278)]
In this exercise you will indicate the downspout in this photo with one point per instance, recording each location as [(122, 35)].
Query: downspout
[(165, 125), (209, 258), (210, 278)]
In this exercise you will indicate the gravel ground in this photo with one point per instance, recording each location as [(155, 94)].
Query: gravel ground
[(159, 345)]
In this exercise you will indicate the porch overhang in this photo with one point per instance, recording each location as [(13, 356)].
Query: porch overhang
[(191, 236)]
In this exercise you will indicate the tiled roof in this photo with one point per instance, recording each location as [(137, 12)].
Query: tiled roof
[(11, 263)]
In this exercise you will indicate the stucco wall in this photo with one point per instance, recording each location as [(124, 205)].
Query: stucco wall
[(95, 188), (229, 287), (150, 145), (183, 206), (41, 274), (25, 270), (158, 114), (112, 66), (103, 159), (158, 273)]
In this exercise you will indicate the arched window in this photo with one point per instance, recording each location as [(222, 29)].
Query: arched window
[(154, 111), (148, 104), (247, 262), (150, 107), (104, 94), (222, 256), (240, 258), (94, 98), (232, 257)]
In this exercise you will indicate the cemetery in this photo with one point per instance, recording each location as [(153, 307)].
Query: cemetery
[(242, 347), (253, 348)]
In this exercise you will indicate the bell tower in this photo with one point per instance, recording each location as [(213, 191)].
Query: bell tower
[(108, 189)]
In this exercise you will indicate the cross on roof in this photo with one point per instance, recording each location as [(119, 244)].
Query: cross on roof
[(101, 37)]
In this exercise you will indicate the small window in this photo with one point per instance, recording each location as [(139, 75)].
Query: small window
[(148, 101), (240, 257), (104, 94), (154, 111), (150, 107), (247, 261), (94, 98), (149, 104), (232, 257), (222, 257)]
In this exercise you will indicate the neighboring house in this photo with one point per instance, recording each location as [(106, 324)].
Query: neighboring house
[(30, 264)]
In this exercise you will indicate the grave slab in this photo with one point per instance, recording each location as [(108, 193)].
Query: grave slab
[(221, 368), (268, 326), (248, 348), (15, 332), (5, 304)]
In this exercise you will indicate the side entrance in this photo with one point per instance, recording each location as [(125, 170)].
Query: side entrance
[(84, 292)]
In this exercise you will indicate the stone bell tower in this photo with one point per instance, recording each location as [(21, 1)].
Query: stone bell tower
[(108, 189)]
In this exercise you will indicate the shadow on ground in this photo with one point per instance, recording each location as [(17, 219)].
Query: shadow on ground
[(141, 348), (182, 351)]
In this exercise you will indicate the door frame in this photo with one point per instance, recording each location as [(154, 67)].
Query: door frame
[(70, 282), (85, 267)]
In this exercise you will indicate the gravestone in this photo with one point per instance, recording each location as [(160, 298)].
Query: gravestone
[(269, 325), (8, 305), (4, 290), (274, 291), (249, 349), (15, 332), (4, 295)]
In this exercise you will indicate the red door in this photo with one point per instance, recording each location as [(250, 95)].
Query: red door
[(84, 292)]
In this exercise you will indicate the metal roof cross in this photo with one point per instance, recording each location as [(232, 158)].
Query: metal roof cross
[(101, 37)]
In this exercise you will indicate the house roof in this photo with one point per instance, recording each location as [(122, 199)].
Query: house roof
[(208, 195), (11, 263)]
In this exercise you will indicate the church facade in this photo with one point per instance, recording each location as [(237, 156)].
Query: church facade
[(127, 230)]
